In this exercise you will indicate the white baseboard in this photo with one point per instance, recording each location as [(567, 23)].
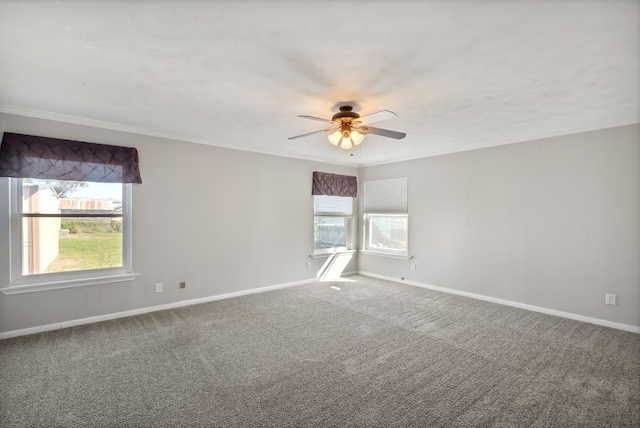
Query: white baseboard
[(107, 317), (342, 275), (569, 315)]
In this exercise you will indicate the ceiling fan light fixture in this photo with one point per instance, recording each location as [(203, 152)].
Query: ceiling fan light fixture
[(335, 138), (346, 143), (352, 127), (356, 137)]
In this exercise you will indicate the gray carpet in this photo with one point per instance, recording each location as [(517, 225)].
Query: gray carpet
[(372, 354)]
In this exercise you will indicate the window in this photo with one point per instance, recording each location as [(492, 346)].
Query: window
[(331, 223), (386, 233), (386, 218), (71, 225), (333, 196), (69, 230), (68, 216)]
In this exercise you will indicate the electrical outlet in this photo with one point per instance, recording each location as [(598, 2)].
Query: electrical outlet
[(159, 287), (183, 284), (610, 299), (413, 266), (308, 266)]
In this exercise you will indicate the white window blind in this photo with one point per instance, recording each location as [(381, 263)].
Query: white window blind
[(332, 206), (386, 196)]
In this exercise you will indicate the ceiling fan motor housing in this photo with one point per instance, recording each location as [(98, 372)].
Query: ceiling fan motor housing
[(345, 115)]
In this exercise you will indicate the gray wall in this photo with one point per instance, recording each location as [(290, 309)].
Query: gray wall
[(222, 220), (551, 223)]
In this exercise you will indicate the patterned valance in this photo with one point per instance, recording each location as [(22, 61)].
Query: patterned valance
[(28, 156), (334, 184)]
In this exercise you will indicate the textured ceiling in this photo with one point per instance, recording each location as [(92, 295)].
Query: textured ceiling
[(459, 74)]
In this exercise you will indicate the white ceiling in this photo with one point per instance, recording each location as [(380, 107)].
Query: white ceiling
[(459, 74)]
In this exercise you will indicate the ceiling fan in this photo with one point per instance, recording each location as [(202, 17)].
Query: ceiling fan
[(350, 129)]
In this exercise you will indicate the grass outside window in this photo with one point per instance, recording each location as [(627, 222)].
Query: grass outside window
[(82, 251)]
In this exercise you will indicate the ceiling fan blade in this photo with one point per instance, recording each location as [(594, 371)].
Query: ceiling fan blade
[(376, 117), (311, 133), (319, 119), (384, 132)]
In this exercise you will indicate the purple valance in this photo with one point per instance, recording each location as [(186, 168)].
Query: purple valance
[(27, 156), (334, 184)]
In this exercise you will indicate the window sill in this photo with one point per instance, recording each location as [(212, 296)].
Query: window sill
[(56, 285), (324, 255), (381, 254)]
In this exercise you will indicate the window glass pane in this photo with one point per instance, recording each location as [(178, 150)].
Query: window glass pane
[(329, 232), (68, 244), (60, 244), (388, 233), (60, 196)]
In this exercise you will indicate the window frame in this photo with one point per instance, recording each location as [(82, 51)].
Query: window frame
[(20, 283), (348, 228), (366, 234)]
